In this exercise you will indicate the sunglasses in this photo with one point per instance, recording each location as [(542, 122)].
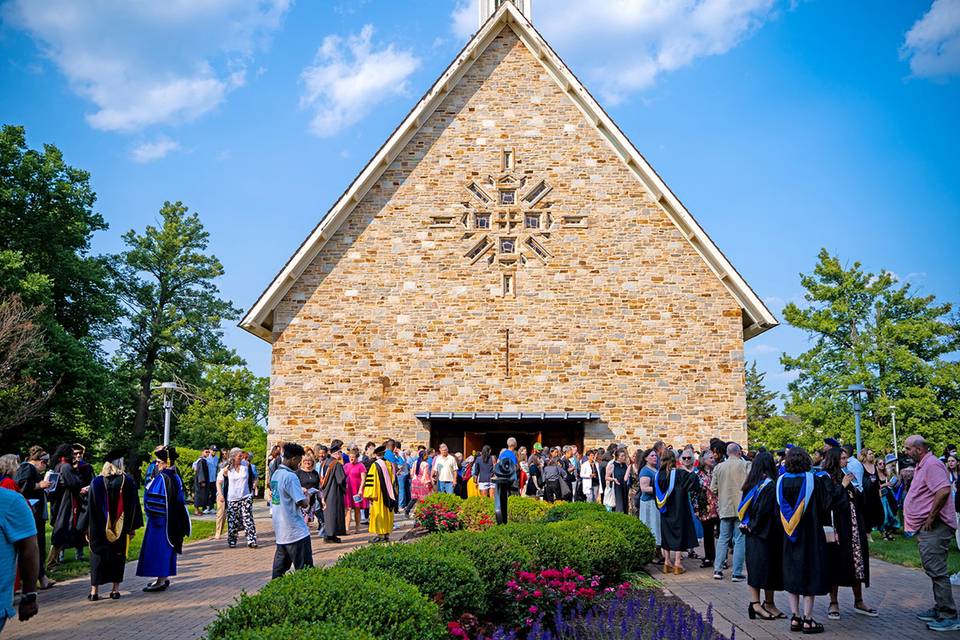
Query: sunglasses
[(686, 458)]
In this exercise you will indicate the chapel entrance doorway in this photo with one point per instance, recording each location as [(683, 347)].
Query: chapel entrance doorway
[(467, 433)]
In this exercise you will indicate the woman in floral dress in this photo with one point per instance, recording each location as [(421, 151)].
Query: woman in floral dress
[(706, 508)]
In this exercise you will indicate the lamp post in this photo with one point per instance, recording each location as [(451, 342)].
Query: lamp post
[(168, 389), (855, 391), (896, 448)]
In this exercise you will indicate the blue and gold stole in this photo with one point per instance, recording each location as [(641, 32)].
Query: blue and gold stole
[(743, 510), (792, 514), (662, 496)]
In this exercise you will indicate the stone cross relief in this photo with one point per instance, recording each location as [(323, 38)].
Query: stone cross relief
[(507, 220)]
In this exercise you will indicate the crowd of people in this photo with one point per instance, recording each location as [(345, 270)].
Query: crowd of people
[(789, 520)]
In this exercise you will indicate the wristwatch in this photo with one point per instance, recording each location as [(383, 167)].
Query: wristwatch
[(28, 598)]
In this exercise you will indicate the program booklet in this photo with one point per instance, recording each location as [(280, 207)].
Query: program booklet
[(53, 478)]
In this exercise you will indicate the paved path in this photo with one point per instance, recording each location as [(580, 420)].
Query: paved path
[(898, 593), (211, 576)]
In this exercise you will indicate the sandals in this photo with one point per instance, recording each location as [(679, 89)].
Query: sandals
[(763, 614), (678, 570), (811, 626), (864, 610), (667, 568), (833, 611), (796, 624), (779, 615)]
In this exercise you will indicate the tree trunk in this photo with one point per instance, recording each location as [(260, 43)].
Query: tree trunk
[(143, 412)]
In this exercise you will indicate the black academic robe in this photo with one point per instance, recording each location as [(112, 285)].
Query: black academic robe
[(201, 483), (764, 541), (621, 491), (805, 564), (677, 532), (873, 515), (849, 558), (333, 486), (67, 508), (108, 558)]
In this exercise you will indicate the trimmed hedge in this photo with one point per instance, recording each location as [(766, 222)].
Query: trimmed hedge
[(312, 631), (640, 541), (496, 557), (477, 513), (571, 510), (523, 510), (591, 548), (449, 579), (378, 602)]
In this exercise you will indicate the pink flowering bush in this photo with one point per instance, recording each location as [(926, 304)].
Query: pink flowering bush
[(437, 517), (549, 592)]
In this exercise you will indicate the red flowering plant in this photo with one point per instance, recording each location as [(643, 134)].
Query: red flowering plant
[(438, 517), (554, 592)]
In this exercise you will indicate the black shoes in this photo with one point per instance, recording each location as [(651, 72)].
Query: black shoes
[(156, 586)]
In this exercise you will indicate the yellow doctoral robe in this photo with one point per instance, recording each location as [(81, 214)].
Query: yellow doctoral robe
[(381, 516)]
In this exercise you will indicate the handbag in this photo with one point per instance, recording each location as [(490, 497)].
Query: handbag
[(830, 532), (609, 498)]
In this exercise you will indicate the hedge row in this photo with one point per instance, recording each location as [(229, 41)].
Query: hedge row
[(409, 590)]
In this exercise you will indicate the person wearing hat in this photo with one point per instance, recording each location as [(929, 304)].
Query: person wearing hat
[(333, 490), (168, 522), (113, 517), (29, 479), (378, 489)]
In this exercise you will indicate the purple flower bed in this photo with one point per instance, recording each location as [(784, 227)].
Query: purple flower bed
[(636, 615)]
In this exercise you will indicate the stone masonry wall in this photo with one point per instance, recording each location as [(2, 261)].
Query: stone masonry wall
[(623, 319)]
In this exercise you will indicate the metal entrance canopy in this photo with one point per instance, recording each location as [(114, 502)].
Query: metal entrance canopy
[(501, 415)]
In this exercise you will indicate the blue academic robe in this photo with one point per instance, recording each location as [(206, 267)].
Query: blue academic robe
[(168, 523)]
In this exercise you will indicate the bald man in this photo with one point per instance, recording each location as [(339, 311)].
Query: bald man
[(930, 513)]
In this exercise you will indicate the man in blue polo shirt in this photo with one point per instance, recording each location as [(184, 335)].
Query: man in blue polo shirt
[(18, 548)]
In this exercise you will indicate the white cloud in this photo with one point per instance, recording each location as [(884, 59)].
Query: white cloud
[(762, 349), (146, 63), (464, 17), (625, 45), (933, 42), (150, 151), (349, 77)]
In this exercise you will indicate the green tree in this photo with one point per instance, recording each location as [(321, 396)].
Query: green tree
[(760, 400), (229, 409), (866, 328), (166, 281), (46, 224)]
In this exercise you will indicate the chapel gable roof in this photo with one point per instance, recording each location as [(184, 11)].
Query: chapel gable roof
[(756, 317)]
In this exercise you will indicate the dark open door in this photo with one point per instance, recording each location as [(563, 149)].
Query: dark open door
[(472, 443)]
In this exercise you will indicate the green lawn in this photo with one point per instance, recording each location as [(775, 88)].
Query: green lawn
[(903, 551), (202, 529)]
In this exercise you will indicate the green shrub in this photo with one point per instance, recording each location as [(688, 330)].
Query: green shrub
[(377, 602), (496, 557), (525, 510), (439, 512), (570, 510), (449, 579), (640, 542), (591, 548), (477, 513), (312, 631)]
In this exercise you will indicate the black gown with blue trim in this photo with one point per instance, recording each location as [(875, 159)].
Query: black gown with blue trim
[(805, 562), (677, 532), (764, 541)]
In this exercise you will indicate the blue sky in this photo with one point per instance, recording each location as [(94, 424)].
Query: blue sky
[(783, 126)]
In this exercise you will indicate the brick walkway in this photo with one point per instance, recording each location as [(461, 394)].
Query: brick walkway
[(897, 592), (211, 576)]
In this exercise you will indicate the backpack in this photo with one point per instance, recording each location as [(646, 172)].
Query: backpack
[(505, 469)]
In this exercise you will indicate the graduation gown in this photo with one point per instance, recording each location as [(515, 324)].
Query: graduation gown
[(849, 558), (677, 532), (67, 509), (168, 523), (805, 563), (201, 492), (621, 491), (378, 489), (114, 507), (764, 541), (333, 486)]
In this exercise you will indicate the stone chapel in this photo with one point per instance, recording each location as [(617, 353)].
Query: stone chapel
[(507, 264)]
